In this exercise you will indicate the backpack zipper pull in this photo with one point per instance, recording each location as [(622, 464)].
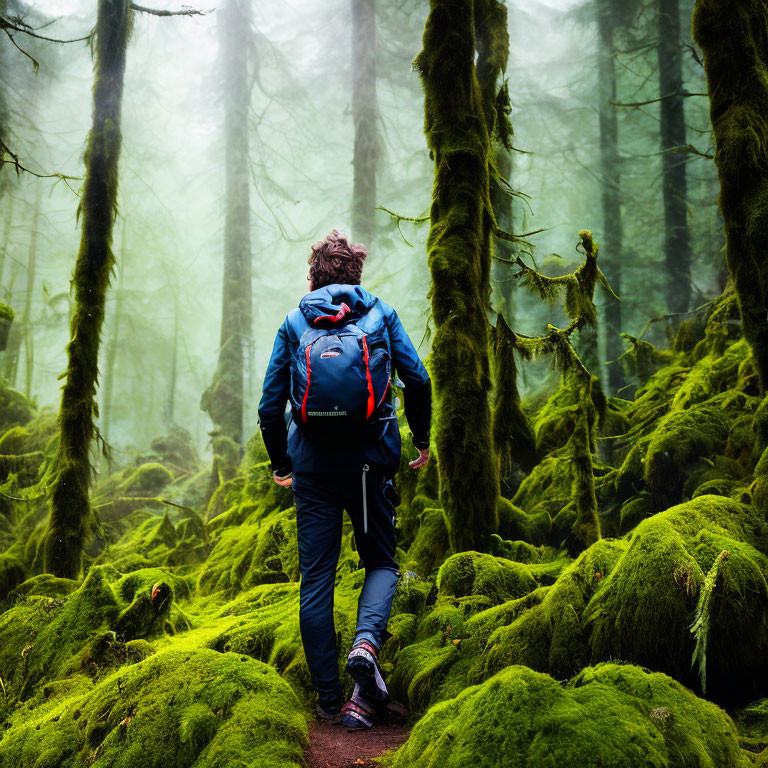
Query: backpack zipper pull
[(365, 500)]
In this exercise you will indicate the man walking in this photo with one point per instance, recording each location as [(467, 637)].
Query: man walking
[(332, 360)]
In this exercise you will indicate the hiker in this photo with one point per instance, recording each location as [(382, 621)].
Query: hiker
[(332, 360)]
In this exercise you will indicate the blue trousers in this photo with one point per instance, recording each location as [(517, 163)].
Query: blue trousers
[(321, 499)]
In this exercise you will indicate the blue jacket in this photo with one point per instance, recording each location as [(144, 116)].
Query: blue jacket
[(290, 450)]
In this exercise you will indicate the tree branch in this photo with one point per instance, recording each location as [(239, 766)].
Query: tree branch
[(19, 26), (636, 104), (156, 12)]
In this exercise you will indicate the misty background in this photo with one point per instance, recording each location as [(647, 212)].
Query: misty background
[(160, 347)]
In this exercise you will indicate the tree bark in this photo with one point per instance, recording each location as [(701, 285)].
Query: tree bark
[(70, 514), (365, 115), (613, 229), (223, 400), (677, 247), (733, 36), (459, 257)]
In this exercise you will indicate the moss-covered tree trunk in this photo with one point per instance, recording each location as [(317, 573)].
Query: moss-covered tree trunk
[(365, 115), (677, 246), (223, 400), (613, 229), (733, 36), (69, 499), (459, 256)]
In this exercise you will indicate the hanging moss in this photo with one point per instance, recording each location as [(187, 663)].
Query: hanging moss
[(734, 41), (70, 505), (512, 434)]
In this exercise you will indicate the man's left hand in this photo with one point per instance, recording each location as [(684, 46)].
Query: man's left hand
[(284, 481)]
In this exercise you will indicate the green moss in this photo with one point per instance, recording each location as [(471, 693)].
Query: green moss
[(15, 408), (610, 716), (684, 436), (46, 585), (71, 516), (473, 573), (6, 312), (177, 708), (735, 67), (147, 480), (249, 554), (430, 544), (551, 636), (459, 257), (512, 434), (644, 609)]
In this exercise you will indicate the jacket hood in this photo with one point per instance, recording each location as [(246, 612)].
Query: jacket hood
[(336, 304)]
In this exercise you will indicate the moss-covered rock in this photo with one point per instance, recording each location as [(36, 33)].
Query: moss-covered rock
[(175, 708), (474, 573), (644, 610), (610, 716), (550, 636), (147, 480)]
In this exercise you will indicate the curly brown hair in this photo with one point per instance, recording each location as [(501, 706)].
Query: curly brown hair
[(336, 260)]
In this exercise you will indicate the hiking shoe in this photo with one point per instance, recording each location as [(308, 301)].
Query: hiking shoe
[(363, 667), (357, 714), (328, 708)]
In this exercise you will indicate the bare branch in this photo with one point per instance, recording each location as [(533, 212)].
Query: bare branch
[(19, 26), (688, 149), (156, 12), (16, 163), (636, 104)]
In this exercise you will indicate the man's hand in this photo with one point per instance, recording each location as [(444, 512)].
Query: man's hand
[(422, 460), (284, 481)]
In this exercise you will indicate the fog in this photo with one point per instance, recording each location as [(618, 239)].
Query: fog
[(169, 233)]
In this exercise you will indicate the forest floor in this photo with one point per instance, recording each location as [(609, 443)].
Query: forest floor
[(333, 746)]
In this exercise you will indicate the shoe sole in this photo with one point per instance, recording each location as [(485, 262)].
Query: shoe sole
[(364, 674)]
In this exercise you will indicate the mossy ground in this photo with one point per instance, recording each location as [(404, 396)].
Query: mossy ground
[(185, 623)]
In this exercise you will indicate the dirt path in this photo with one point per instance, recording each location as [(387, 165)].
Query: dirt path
[(333, 746)]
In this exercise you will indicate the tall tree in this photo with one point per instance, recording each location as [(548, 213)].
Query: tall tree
[(365, 115), (114, 340), (677, 247), (608, 21), (26, 324), (459, 255), (733, 36), (69, 498), (223, 400)]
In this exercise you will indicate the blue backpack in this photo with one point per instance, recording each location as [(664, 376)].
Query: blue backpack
[(340, 377)]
